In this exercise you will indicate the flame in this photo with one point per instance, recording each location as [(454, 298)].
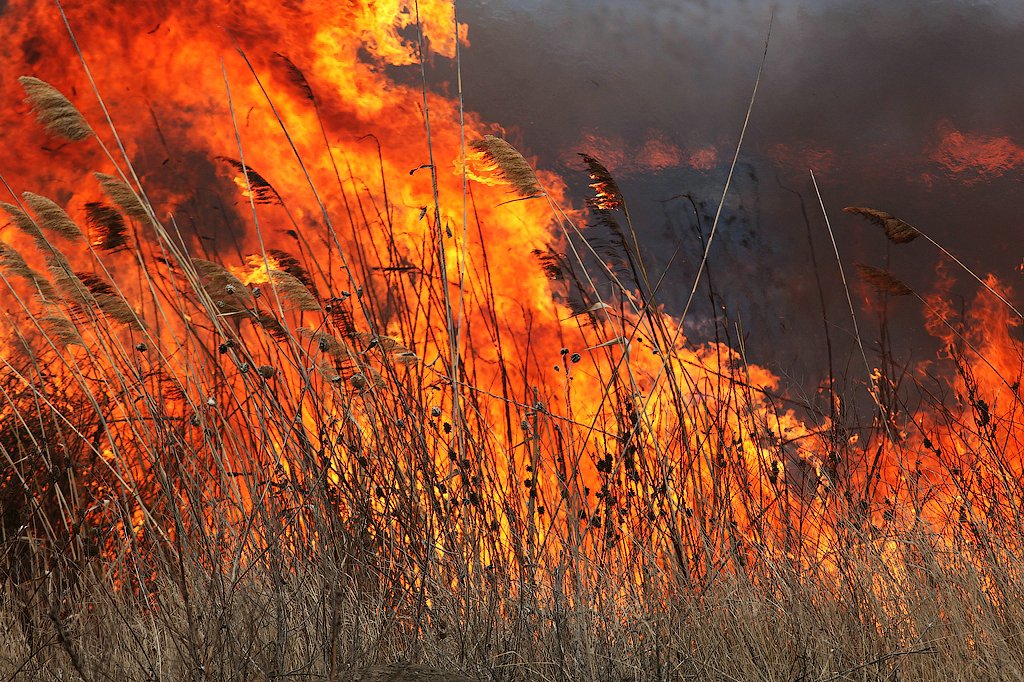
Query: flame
[(598, 418), (973, 157)]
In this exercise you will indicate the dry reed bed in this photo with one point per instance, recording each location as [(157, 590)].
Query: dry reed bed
[(217, 479)]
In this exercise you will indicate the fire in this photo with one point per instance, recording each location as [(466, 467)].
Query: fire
[(322, 305), (973, 157)]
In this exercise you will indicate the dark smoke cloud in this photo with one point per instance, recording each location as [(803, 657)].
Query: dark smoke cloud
[(913, 107)]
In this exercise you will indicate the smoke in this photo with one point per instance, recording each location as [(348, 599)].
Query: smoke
[(910, 107)]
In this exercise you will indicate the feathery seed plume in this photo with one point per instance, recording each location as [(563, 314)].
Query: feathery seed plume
[(122, 195), (107, 224), (13, 264), (607, 196), (226, 290), (883, 280), (512, 167), (52, 217), (262, 191), (292, 290), (54, 110), (327, 343), (61, 331), (896, 230), (23, 221)]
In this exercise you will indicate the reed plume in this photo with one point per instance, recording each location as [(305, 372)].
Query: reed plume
[(226, 290), (607, 195), (512, 167), (61, 331), (296, 76), (327, 344), (896, 230), (107, 224), (23, 222), (291, 289), (122, 195), (109, 302), (14, 265), (262, 191), (52, 217), (882, 280), (54, 110), (271, 325), (82, 290), (282, 260)]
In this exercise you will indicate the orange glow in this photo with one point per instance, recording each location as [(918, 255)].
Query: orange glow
[(307, 338), (971, 157)]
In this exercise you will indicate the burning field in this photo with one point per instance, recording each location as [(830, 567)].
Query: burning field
[(306, 368)]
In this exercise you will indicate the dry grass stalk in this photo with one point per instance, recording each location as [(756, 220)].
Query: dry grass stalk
[(13, 264), (52, 217), (54, 110), (404, 672), (292, 290), (122, 195), (23, 221), (607, 196), (512, 167), (896, 230), (107, 225), (883, 280)]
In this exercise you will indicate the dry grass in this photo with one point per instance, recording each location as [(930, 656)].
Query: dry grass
[(201, 483)]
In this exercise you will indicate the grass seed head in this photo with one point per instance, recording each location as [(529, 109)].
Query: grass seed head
[(294, 291), (122, 195), (883, 280), (52, 217), (54, 110), (23, 222), (607, 195), (896, 230), (512, 167)]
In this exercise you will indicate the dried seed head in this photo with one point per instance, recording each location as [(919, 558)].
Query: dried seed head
[(61, 331), (327, 343), (122, 195), (607, 196), (107, 226), (896, 230), (105, 297), (294, 291), (226, 290), (510, 164), (266, 371), (54, 110), (883, 280), (23, 222), (14, 265), (52, 217)]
